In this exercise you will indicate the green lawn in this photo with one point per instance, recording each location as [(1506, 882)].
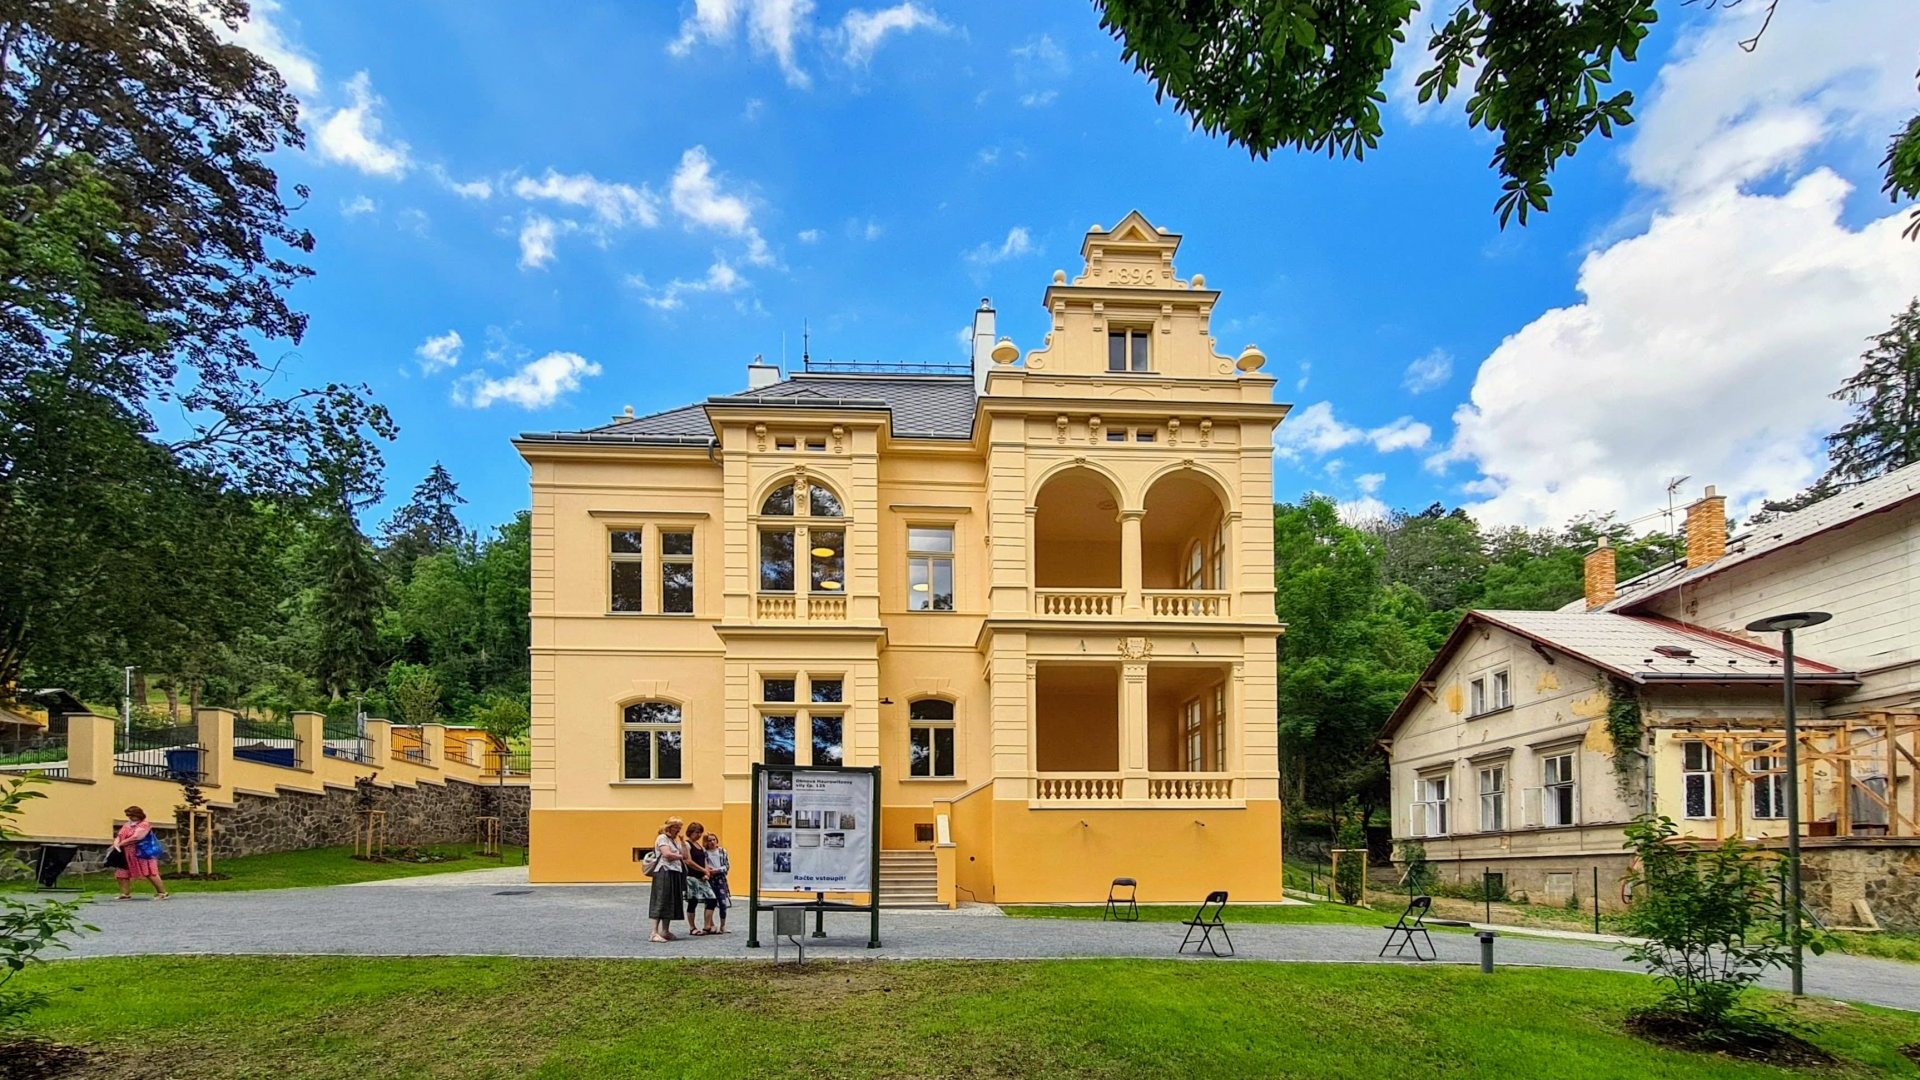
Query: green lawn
[(295, 870), (312, 1017), (1236, 913), (1886, 945)]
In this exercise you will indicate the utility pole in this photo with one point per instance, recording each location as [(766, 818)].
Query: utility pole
[(126, 701)]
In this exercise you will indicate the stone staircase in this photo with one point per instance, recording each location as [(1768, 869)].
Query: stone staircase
[(909, 879)]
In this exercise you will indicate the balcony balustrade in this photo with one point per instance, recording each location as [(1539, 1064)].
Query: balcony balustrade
[(1077, 601), (1183, 604), (1095, 789)]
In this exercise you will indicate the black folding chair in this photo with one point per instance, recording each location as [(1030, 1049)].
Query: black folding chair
[(1122, 908), (1206, 925), (1404, 931)]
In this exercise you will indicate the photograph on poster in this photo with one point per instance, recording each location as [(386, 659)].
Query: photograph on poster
[(807, 819), (806, 839), (779, 781), (779, 838), (835, 839), (847, 821), (783, 862), (779, 811)]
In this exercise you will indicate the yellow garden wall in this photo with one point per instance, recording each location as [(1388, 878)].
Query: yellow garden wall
[(1177, 856)]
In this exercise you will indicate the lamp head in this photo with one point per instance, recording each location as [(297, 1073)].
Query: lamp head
[(1796, 620)]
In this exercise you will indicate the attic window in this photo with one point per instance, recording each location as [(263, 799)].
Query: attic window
[(1675, 651)]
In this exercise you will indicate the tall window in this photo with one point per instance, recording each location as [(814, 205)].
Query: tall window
[(791, 723), (1196, 732), (1502, 690), (1769, 782), (1220, 728), (1559, 784), (1127, 348), (781, 544), (1697, 780), (1206, 562), (676, 573), (929, 569), (930, 738), (1493, 798), (629, 570), (650, 737), (1433, 796)]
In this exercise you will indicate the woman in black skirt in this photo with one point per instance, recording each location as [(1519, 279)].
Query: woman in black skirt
[(666, 900)]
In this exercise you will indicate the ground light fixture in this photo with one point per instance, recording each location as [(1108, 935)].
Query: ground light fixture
[(1785, 625)]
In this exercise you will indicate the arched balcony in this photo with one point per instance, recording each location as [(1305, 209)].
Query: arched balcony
[(1093, 555)]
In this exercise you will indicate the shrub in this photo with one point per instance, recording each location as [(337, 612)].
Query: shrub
[(1419, 872), (1712, 919), (1350, 875), (27, 928)]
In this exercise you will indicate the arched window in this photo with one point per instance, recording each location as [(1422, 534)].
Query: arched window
[(818, 532), (650, 741), (930, 738)]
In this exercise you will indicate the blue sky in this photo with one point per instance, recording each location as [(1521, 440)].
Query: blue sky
[(623, 205)]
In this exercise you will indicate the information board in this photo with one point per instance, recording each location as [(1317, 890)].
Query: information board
[(816, 830)]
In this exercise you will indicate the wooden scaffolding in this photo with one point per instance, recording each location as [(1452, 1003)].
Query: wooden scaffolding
[(1859, 776)]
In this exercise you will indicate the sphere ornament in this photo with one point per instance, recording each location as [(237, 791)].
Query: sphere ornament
[(1005, 352), (1251, 359)]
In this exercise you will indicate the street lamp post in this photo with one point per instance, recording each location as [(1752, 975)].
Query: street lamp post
[(1785, 625)]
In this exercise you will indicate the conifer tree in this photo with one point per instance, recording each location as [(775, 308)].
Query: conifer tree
[(1884, 432)]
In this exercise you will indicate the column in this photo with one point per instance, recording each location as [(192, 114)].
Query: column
[(310, 733), (380, 742), (90, 747), (216, 743), (1131, 604), (1133, 729), (433, 745)]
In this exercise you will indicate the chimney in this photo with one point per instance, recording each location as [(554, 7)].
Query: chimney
[(761, 374), (982, 345), (1706, 529), (1600, 576)]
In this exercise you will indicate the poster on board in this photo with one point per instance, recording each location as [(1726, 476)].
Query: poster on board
[(816, 830)]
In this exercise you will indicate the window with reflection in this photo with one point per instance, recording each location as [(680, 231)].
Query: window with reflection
[(629, 566), (930, 738), (650, 736), (783, 545), (929, 569)]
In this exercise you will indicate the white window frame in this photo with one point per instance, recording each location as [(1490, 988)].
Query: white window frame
[(1477, 697), (916, 725), (1493, 798), (1551, 783), (1699, 770), (1767, 776), (654, 730), (932, 558), (1436, 792), (1501, 684)]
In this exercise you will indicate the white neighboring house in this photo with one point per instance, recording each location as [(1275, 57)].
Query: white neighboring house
[(1504, 757)]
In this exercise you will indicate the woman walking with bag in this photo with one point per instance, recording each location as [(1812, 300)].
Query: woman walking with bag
[(666, 898), (136, 853)]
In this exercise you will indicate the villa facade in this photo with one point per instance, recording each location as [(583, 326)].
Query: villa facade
[(1036, 592)]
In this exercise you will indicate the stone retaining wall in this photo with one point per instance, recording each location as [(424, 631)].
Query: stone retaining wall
[(417, 816), (1886, 876)]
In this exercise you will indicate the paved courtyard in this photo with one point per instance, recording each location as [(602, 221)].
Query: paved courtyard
[(501, 915)]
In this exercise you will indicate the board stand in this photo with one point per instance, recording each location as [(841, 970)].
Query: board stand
[(370, 834), (819, 905)]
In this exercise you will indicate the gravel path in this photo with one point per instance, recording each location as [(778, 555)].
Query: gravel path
[(501, 916)]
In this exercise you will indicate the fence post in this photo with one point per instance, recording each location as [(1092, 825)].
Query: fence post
[(89, 746), (215, 735), (310, 737), (1486, 888), (1596, 899), (433, 745), (379, 742)]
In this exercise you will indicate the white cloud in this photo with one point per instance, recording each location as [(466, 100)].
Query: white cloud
[(1017, 243), (414, 220), (1316, 430), (536, 385), (773, 26), (719, 278), (697, 197), (440, 352), (260, 35), (809, 236), (537, 235), (1039, 99), (1040, 56), (613, 205), (1428, 372), (480, 190), (863, 31), (352, 134), (1368, 483), (1364, 510), (1306, 370), (752, 109), (1405, 433), (964, 338), (356, 206), (987, 156), (1706, 345), (867, 229), (1827, 69)]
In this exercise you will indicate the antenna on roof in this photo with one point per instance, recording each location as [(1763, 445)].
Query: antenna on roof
[(806, 339), (1673, 486)]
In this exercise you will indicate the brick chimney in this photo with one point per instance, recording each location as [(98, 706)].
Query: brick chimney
[(1706, 529), (1601, 575)]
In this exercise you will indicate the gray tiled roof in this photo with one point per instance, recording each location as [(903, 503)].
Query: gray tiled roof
[(921, 406), (1874, 496)]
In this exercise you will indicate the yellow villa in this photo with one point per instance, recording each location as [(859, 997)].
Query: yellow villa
[(1037, 593)]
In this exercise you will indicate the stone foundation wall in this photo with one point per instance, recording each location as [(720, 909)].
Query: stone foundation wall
[(418, 816), (1545, 879), (1886, 876)]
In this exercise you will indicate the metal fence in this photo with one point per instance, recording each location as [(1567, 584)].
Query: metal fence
[(165, 753), (40, 752), (409, 746), (501, 763), (267, 742)]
